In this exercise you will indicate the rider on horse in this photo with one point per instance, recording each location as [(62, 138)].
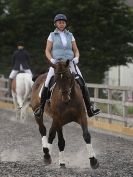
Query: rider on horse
[(61, 44), (20, 63)]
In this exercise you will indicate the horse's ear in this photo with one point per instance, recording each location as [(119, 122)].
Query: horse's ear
[(34, 77), (67, 62)]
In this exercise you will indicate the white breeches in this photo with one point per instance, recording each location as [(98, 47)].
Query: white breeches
[(51, 72), (14, 73), (73, 70)]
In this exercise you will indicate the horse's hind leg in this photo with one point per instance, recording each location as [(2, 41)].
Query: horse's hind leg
[(17, 111), (61, 145), (45, 145), (87, 137)]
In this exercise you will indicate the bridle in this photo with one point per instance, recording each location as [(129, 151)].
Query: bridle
[(66, 91)]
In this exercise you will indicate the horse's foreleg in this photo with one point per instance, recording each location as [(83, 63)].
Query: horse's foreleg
[(52, 134), (42, 130), (45, 144), (48, 145), (87, 137), (61, 145)]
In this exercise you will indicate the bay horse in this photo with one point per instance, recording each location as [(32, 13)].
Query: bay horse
[(66, 105), (21, 93)]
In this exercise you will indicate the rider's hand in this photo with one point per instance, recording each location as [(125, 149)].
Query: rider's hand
[(76, 60), (53, 60)]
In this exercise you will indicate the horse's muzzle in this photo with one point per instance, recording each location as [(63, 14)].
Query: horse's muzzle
[(66, 95)]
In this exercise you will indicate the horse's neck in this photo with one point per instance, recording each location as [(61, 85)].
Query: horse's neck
[(75, 90)]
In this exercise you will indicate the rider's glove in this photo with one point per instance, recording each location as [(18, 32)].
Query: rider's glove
[(76, 60), (53, 60)]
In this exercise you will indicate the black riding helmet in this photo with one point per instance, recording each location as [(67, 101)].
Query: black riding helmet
[(60, 17), (20, 43)]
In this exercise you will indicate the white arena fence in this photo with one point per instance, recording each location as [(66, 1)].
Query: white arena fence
[(116, 102)]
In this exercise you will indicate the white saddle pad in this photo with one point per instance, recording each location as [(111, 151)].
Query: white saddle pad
[(51, 89), (41, 91)]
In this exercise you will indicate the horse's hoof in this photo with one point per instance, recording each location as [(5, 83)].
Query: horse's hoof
[(94, 163), (19, 108), (62, 165), (47, 159)]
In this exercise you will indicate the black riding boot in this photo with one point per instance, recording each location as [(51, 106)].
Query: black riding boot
[(85, 92), (89, 106), (44, 96)]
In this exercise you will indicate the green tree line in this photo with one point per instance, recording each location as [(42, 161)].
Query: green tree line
[(103, 30)]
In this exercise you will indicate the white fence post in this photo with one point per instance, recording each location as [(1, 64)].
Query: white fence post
[(124, 110), (109, 105)]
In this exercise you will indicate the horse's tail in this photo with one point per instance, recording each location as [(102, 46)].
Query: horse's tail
[(20, 88), (24, 84), (28, 86)]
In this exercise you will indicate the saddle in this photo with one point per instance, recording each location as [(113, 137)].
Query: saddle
[(52, 83)]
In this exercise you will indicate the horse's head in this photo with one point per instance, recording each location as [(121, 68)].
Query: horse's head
[(64, 79)]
